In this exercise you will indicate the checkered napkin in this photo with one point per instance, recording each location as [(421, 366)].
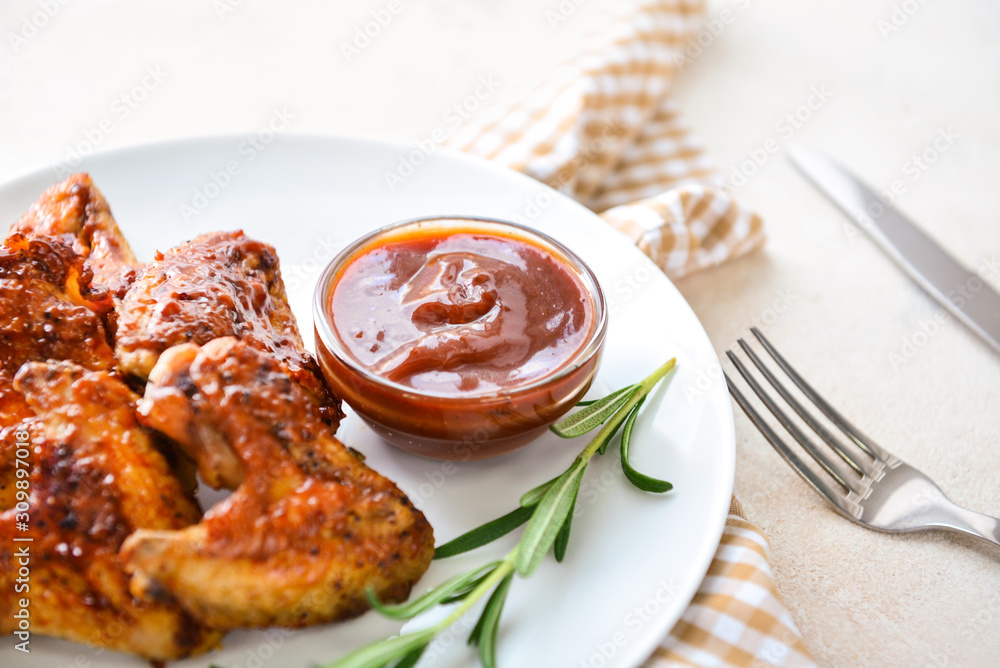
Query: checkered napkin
[(602, 130)]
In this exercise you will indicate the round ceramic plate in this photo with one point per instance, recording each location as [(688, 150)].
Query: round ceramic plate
[(634, 560)]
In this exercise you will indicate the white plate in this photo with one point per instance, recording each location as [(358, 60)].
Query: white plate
[(634, 560)]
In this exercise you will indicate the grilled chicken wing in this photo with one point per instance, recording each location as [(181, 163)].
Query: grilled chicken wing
[(13, 410), (308, 527), (13, 407), (94, 479), (218, 284), (48, 309), (75, 211)]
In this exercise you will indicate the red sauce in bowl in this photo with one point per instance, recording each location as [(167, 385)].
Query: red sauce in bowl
[(459, 338), (460, 312)]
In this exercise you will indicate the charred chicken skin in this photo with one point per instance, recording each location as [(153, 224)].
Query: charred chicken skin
[(94, 475), (13, 410), (308, 528), (48, 309), (76, 212), (216, 285), (94, 479), (13, 407)]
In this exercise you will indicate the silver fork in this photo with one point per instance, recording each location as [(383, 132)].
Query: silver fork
[(870, 486)]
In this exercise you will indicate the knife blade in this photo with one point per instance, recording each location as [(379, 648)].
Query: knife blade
[(962, 292)]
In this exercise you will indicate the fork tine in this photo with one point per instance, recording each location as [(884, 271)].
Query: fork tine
[(856, 435), (835, 468), (861, 467), (835, 497)]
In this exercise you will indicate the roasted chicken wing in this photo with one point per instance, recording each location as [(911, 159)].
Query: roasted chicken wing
[(94, 479), (75, 211), (13, 410), (308, 527), (13, 407), (48, 309), (219, 284)]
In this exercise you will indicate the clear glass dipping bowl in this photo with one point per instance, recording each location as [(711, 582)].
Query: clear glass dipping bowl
[(463, 428)]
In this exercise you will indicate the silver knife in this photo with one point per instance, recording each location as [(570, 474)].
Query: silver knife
[(965, 294)]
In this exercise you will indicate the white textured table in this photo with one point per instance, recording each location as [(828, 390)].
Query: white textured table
[(85, 76)]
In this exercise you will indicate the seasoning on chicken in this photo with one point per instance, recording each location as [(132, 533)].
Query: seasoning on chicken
[(13, 407), (216, 285), (48, 309), (75, 211), (13, 410), (308, 528), (94, 478)]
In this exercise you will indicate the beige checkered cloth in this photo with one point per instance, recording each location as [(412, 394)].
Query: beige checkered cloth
[(602, 130)]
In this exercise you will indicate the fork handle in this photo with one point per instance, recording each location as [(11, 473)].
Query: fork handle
[(963, 520)]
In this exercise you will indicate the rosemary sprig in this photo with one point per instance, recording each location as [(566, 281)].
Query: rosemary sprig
[(486, 533), (547, 512)]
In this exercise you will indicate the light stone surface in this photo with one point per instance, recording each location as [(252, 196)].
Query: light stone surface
[(825, 295)]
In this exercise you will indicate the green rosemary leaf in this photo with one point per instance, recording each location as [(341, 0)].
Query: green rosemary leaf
[(385, 652), (547, 519), (487, 533), (463, 582), (594, 415), (485, 632), (610, 437), (532, 497), (411, 659), (562, 538), (488, 637), (640, 480), (476, 632), (463, 593)]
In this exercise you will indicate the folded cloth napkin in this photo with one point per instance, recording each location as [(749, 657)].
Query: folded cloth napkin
[(602, 130)]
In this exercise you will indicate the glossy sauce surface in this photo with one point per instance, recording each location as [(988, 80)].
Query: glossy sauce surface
[(460, 312)]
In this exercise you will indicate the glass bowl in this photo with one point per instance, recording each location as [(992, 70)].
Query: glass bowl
[(468, 426)]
